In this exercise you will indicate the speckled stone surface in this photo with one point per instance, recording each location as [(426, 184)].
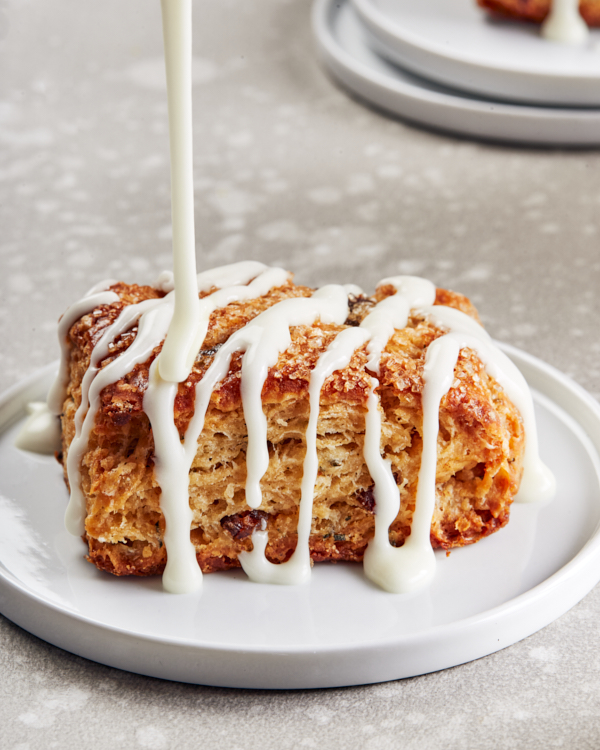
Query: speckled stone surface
[(291, 171)]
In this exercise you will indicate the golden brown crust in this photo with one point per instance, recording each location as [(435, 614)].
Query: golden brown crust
[(479, 448), (537, 10)]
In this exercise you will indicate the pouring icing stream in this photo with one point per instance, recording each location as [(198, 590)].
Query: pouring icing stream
[(184, 336)]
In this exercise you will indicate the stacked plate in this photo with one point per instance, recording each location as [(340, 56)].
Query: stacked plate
[(446, 65)]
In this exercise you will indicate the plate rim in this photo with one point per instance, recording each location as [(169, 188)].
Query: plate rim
[(501, 614)]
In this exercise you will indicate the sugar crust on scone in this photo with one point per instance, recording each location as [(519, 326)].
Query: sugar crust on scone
[(480, 445)]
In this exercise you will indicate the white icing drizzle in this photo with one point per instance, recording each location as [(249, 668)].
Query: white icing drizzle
[(93, 299), (564, 23), (262, 340), (392, 312), (173, 458), (240, 274), (185, 333), (297, 569), (538, 483), (126, 320), (353, 289), (410, 567), (154, 319), (181, 319), (41, 431), (270, 278), (269, 336), (182, 574), (394, 569), (189, 324), (234, 274)]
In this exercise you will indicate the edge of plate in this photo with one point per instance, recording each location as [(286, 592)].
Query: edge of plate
[(303, 667)]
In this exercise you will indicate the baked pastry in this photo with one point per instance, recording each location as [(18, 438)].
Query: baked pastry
[(480, 446), (537, 10)]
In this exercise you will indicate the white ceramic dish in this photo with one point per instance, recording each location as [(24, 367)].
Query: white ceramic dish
[(339, 630), (344, 47), (455, 43)]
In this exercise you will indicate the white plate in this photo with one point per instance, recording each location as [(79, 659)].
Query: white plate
[(456, 43), (343, 45), (340, 629)]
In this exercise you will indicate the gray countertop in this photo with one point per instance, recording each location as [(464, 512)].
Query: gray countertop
[(291, 171)]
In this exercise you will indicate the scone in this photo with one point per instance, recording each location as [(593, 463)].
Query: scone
[(480, 445), (537, 10)]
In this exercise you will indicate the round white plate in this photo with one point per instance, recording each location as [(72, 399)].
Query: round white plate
[(344, 47), (340, 629), (456, 43)]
